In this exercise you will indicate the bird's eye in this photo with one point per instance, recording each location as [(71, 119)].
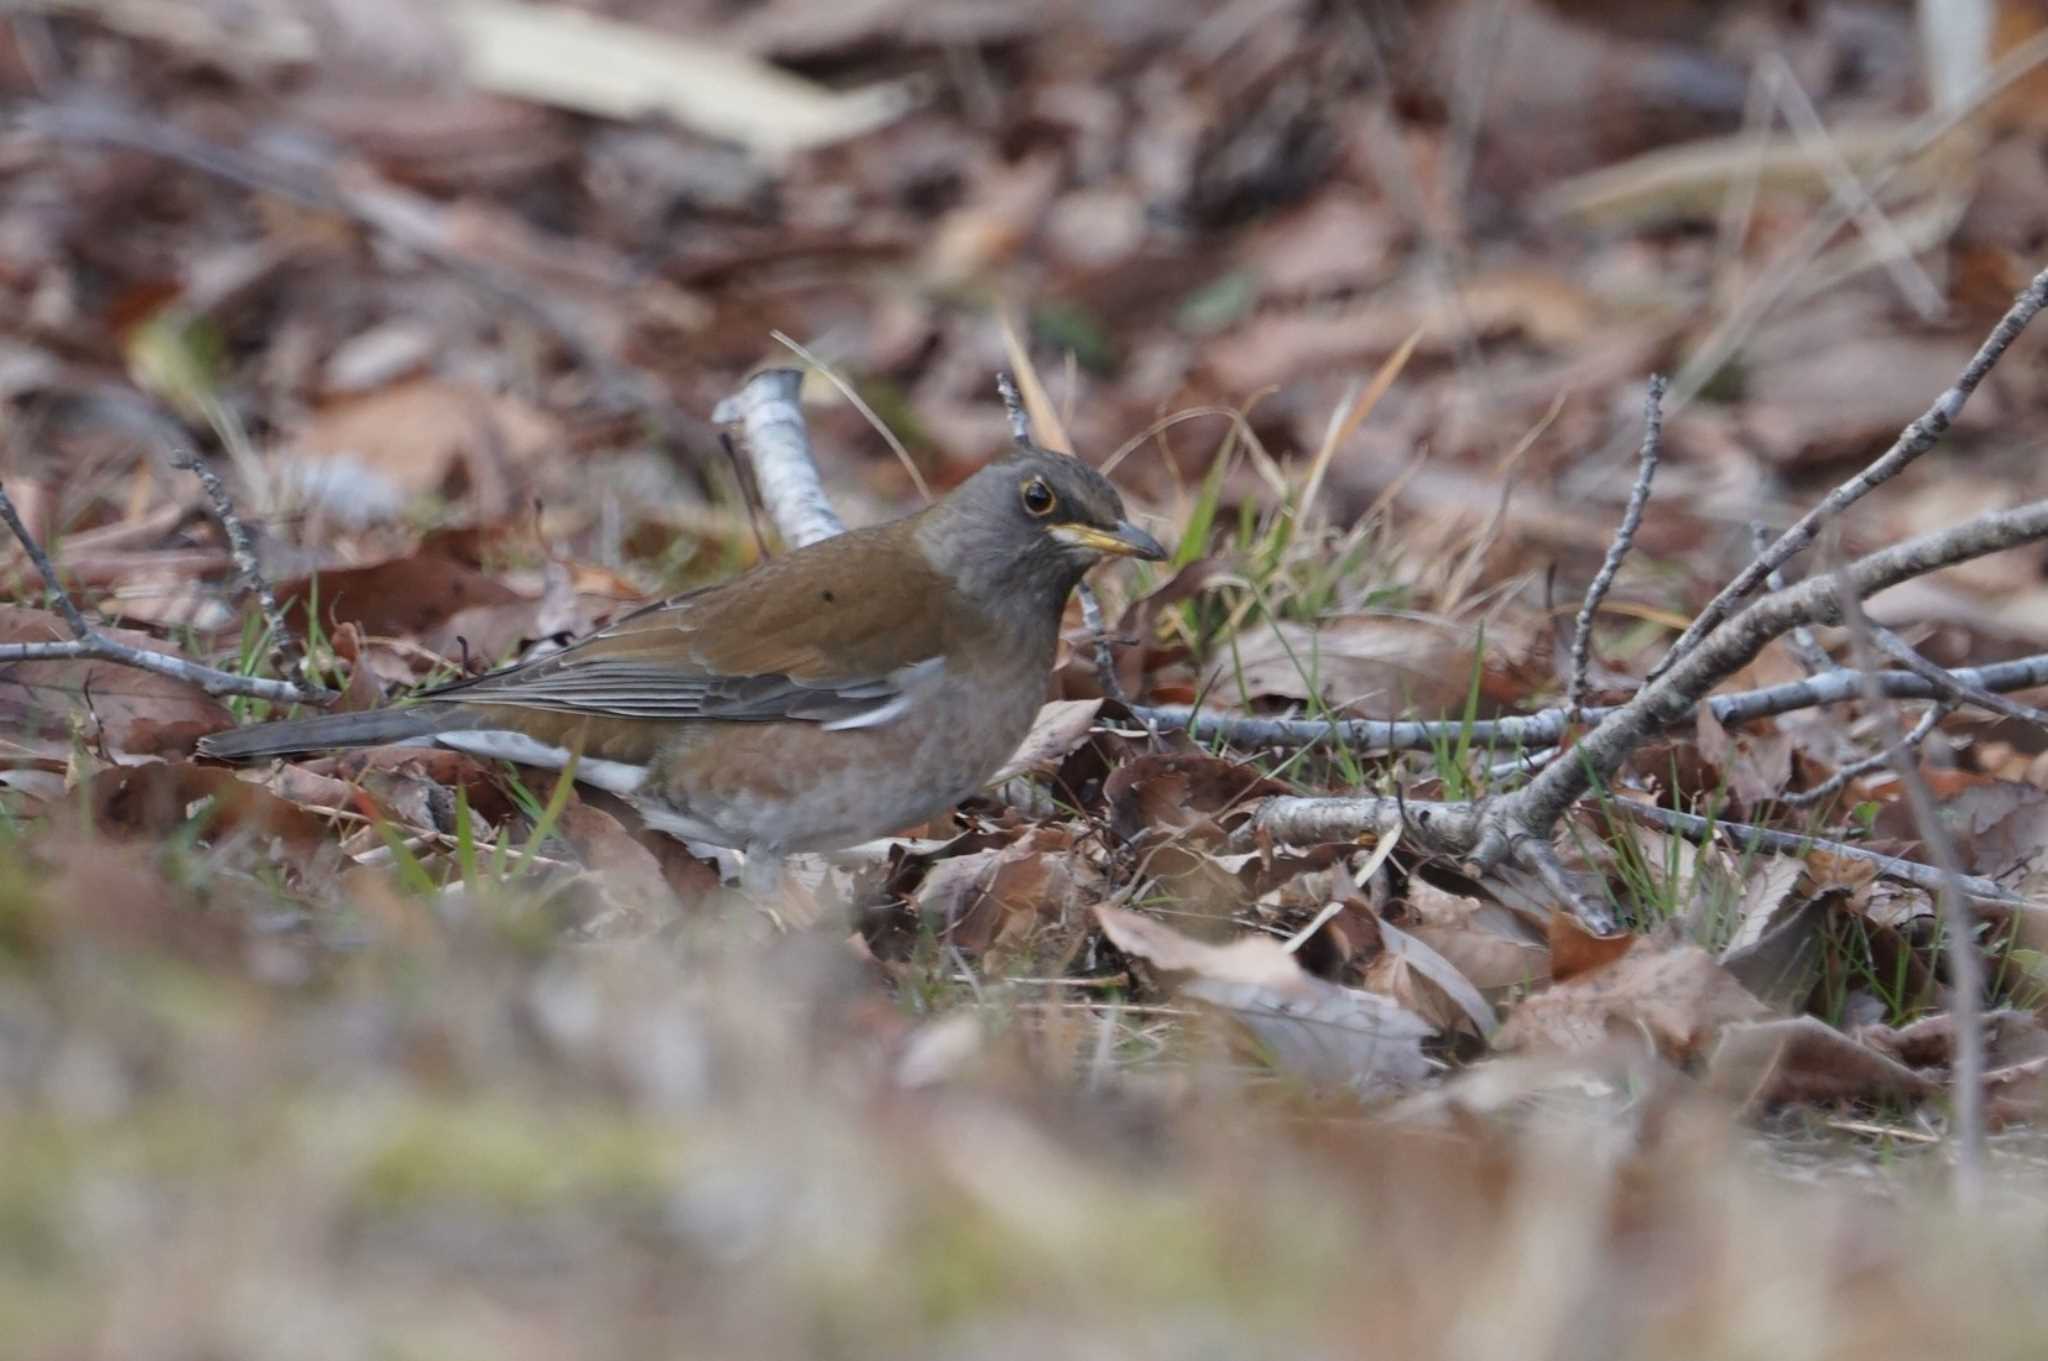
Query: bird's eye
[(1038, 498)]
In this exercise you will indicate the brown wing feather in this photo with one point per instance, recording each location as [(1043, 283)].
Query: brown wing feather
[(795, 638), (817, 616)]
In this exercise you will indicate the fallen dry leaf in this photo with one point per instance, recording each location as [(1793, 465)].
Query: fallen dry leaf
[(1674, 995), (1802, 1059), (1995, 827), (158, 798), (1313, 1029), (1385, 665), (1186, 793), (1061, 726), (1488, 944), (418, 437), (137, 712), (1445, 995), (409, 597), (1001, 897)]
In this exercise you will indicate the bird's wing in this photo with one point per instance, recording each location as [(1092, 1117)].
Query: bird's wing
[(793, 639)]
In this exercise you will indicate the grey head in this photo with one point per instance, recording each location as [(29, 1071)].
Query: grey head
[(1028, 527)]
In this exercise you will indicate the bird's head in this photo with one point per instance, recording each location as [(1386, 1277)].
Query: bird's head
[(1031, 524)]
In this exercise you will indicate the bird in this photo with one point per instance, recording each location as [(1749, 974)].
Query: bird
[(834, 694)]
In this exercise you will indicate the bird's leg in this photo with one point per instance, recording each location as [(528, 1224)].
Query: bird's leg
[(761, 874), (770, 889)]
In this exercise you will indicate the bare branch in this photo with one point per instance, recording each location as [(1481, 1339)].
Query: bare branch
[(1548, 726), (1448, 828), (1536, 853), (1950, 688), (89, 642), (98, 647), (1732, 645), (1805, 647), (289, 656), (48, 570), (1915, 440), (1748, 838), (1624, 539), (1965, 966), (778, 444), (1098, 636), (1837, 782)]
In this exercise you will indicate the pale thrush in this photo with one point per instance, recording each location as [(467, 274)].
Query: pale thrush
[(832, 695)]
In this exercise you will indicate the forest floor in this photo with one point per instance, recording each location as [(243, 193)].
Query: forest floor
[(1219, 1024)]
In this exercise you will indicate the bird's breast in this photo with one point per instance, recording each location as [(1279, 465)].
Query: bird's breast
[(801, 786)]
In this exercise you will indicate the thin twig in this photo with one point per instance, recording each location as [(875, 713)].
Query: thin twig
[(1537, 854), (1624, 539), (1855, 770), (1734, 644), (1749, 838), (1916, 439), (1965, 966), (288, 656), (1098, 635), (1952, 689), (1804, 646), (1547, 726), (89, 642), (852, 394), (65, 604)]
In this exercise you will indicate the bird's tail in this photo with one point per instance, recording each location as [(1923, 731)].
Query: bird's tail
[(372, 728)]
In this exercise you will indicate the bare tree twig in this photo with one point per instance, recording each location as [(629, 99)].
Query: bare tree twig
[(1732, 645), (1624, 539), (1805, 647), (1547, 726), (1965, 966), (1916, 439), (1837, 782), (1105, 656), (1482, 833), (1537, 854), (48, 570), (89, 642), (1951, 688), (290, 657), (1746, 837)]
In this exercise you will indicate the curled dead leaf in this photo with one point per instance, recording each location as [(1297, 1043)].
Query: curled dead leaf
[(1061, 726), (1674, 995), (1314, 1029)]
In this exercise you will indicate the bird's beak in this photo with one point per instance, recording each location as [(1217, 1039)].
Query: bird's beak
[(1125, 541)]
